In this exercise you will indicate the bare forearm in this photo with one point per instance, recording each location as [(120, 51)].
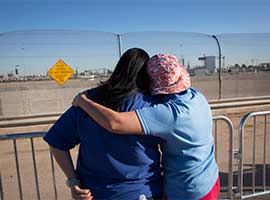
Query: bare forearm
[(117, 122), (64, 160)]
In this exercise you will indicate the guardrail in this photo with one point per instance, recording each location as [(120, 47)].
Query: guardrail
[(49, 118)]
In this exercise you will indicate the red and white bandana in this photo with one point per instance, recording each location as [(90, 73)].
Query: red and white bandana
[(167, 75)]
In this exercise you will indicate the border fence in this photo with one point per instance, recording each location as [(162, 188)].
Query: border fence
[(221, 66), (231, 188)]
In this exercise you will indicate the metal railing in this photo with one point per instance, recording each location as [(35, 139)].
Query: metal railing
[(255, 190), (233, 153), (50, 118), (30, 136)]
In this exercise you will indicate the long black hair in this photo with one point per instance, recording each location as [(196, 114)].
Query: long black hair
[(128, 77)]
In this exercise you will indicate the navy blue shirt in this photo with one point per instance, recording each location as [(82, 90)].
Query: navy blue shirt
[(113, 167)]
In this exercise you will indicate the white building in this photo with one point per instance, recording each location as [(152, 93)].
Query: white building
[(209, 63)]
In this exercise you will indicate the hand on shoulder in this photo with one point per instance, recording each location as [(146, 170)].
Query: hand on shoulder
[(78, 99)]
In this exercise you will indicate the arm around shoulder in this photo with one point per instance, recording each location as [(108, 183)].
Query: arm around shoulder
[(115, 122)]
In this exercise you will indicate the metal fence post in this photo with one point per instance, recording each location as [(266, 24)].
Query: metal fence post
[(35, 168), (219, 65), (18, 169), (1, 188), (53, 176), (231, 151), (119, 44)]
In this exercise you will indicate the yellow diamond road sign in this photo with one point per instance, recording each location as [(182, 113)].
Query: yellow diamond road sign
[(61, 72)]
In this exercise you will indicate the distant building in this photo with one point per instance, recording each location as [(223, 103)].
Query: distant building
[(209, 63)]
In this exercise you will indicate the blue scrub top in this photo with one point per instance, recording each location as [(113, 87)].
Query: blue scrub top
[(113, 167)]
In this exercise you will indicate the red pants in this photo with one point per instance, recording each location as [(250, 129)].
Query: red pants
[(212, 195)]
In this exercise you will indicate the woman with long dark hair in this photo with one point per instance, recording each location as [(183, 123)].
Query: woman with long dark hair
[(110, 167), (128, 78)]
